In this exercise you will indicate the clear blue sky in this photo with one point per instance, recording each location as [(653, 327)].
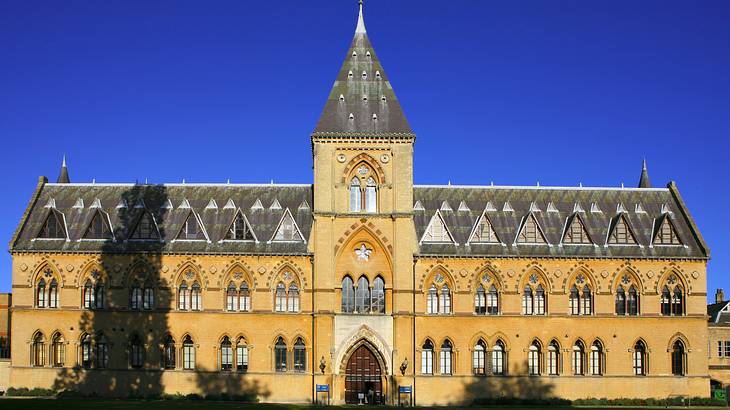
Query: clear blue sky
[(513, 92)]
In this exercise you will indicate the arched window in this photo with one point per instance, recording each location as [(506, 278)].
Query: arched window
[(348, 295), (666, 301), (492, 301), (362, 295), (86, 354), (293, 299), (41, 293), (195, 295), (102, 352), (445, 357), (578, 358), (553, 361), (135, 297), (241, 355), (639, 356), (677, 302), (620, 301), (370, 195), (432, 303), (574, 301), (226, 354), (427, 358), (136, 352), (231, 298), (300, 356), (280, 355), (445, 300), (53, 294), (149, 298), (244, 297), (280, 298), (188, 353), (587, 305), (100, 296), (480, 301), (540, 301), (499, 363), (633, 301), (88, 295), (168, 353), (38, 353), (678, 364), (478, 366), (533, 359), (58, 351), (355, 195), (378, 296), (182, 296), (527, 305), (596, 360)]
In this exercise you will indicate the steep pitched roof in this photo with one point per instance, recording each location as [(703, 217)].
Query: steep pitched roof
[(362, 101)]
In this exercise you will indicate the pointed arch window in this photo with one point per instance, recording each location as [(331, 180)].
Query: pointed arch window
[(499, 362), (280, 298), (587, 301), (136, 352), (99, 296), (86, 353), (244, 297), (300, 356), (280, 355), (445, 358), (370, 195), (89, 301), (226, 358), (596, 359), (195, 297), (135, 297), (38, 350), (478, 363), (41, 293), (553, 360), (639, 358), (620, 301), (540, 300), (355, 195), (527, 301), (678, 359), (533, 359), (53, 228), (574, 300), (241, 355), (362, 296), (633, 301), (677, 301), (364, 191), (182, 296), (666, 301), (188, 353), (492, 301), (293, 298), (98, 228), (432, 300), (53, 294), (445, 300), (231, 298), (168, 353), (377, 304), (148, 301), (427, 358), (58, 351), (102, 352), (348, 295), (578, 358), (480, 301)]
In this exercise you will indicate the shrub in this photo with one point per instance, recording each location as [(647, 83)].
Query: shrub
[(24, 391)]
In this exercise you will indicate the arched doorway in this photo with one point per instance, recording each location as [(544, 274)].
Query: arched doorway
[(363, 378)]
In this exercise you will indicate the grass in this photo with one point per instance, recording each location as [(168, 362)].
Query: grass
[(94, 404)]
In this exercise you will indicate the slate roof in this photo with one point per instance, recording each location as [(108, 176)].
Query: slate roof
[(155, 198), (654, 202), (716, 314), (362, 89)]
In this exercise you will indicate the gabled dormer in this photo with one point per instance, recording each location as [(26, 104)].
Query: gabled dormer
[(287, 229), (192, 229), (240, 229), (620, 231), (145, 229), (483, 231), (530, 232), (54, 226), (437, 231), (665, 233), (99, 228), (575, 232)]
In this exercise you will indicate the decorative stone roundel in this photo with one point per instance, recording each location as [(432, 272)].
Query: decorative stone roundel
[(287, 275), (95, 274), (237, 275), (439, 278), (486, 278), (625, 279), (23, 267), (48, 273), (384, 158), (580, 279), (69, 268), (262, 270), (341, 158), (190, 274), (557, 273), (604, 274), (695, 274), (533, 278), (672, 279), (650, 274), (165, 268), (510, 273), (213, 269), (463, 273)]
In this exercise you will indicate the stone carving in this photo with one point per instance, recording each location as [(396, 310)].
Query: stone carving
[(341, 158), (238, 275), (362, 170), (190, 274), (533, 278), (262, 270), (580, 279), (363, 253), (23, 267), (625, 279)]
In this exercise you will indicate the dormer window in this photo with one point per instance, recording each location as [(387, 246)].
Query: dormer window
[(54, 226), (363, 191)]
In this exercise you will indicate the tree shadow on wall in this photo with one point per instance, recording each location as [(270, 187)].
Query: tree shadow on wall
[(517, 386), (103, 354), (231, 386)]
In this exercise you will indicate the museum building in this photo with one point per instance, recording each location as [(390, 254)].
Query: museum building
[(361, 285)]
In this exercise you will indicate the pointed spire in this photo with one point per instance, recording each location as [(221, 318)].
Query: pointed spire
[(360, 22), (644, 180), (63, 175)]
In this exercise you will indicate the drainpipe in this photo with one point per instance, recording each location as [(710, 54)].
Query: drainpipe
[(314, 343), (413, 332)]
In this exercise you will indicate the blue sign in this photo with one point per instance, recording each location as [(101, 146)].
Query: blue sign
[(405, 389), (323, 388)]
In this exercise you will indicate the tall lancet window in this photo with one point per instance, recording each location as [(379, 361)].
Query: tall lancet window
[(355, 195), (370, 202), (364, 190)]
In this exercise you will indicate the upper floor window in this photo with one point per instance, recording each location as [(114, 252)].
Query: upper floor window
[(672, 300), (286, 300), (627, 304), (47, 295), (621, 233), (438, 300), (54, 227), (363, 191), (533, 301), (94, 295), (189, 298), (580, 300)]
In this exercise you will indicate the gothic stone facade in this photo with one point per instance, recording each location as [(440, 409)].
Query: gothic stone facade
[(361, 281)]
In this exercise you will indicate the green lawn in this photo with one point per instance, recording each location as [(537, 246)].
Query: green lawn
[(89, 404)]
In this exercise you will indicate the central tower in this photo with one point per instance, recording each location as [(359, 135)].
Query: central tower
[(363, 234)]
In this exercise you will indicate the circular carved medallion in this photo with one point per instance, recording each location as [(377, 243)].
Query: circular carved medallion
[(510, 273), (341, 158), (262, 270), (650, 274), (384, 158), (69, 267), (604, 274), (695, 274), (213, 269), (557, 273), (165, 268), (23, 267)]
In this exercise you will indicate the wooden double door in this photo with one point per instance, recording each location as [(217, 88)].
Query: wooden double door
[(363, 378)]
